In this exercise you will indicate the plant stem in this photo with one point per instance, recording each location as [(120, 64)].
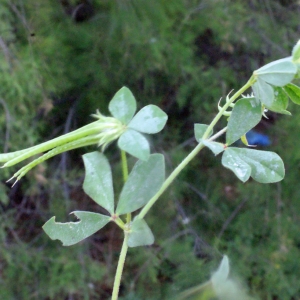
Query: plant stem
[(124, 165), (119, 222), (169, 180), (196, 150), (219, 133), (125, 227), (120, 267), (125, 177), (250, 82)]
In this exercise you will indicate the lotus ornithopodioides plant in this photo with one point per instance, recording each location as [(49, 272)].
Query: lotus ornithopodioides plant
[(272, 88)]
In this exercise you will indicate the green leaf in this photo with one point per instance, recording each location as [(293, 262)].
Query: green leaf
[(98, 180), (135, 144), (296, 53), (215, 147), (123, 105), (236, 164), (143, 182), (245, 115), (199, 130), (73, 232), (293, 91), (150, 119), (140, 235), (278, 73), (281, 101), (263, 166), (264, 92)]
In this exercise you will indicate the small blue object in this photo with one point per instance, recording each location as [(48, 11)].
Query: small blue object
[(259, 139)]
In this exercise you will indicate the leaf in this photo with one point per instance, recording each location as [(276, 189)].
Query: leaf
[(263, 166), (140, 235), (142, 184), (264, 92), (73, 232), (98, 180), (199, 130), (281, 101), (245, 115), (278, 73), (135, 144), (150, 119), (236, 164), (123, 105), (221, 275), (293, 91), (215, 147)]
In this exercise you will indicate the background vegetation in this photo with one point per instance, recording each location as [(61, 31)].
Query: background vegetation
[(61, 60)]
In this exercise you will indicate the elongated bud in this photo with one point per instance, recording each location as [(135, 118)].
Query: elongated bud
[(101, 132)]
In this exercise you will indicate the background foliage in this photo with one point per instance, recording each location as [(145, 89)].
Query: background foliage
[(61, 60)]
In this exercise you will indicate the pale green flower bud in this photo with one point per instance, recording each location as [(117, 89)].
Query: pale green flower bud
[(101, 132)]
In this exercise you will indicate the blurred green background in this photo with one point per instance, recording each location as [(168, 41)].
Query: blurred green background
[(62, 60)]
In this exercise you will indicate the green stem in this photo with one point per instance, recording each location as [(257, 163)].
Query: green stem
[(169, 180), (196, 150), (250, 82), (119, 222), (120, 267), (124, 165), (218, 134), (125, 177)]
